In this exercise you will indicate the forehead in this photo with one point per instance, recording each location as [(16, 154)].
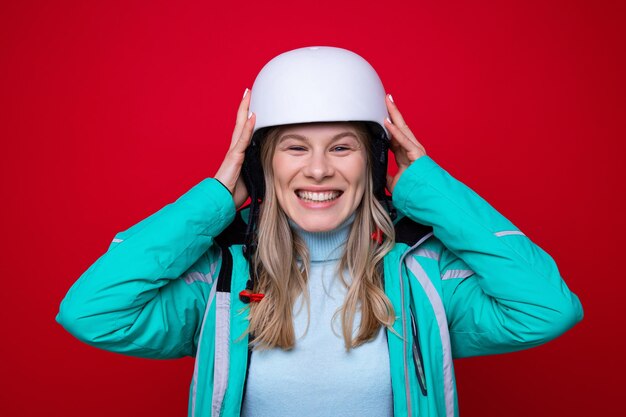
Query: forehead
[(318, 130)]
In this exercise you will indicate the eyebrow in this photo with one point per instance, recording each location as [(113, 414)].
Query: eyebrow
[(337, 136)]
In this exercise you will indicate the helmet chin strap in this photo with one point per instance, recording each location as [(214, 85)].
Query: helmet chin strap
[(250, 239)]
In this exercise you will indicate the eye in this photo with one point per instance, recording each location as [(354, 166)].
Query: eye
[(340, 148), (296, 148)]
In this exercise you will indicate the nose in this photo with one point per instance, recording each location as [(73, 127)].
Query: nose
[(318, 166)]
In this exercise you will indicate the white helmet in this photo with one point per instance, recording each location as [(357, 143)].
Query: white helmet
[(317, 84)]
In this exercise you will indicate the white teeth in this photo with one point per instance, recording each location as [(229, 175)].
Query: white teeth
[(325, 196)]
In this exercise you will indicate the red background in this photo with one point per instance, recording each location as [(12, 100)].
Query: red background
[(110, 110)]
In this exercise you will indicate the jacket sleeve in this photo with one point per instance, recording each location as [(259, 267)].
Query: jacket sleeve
[(146, 295), (501, 292)]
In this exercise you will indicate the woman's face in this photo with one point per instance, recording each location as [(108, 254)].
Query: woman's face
[(319, 174)]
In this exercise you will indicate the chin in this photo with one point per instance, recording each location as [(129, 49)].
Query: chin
[(318, 228), (318, 223)]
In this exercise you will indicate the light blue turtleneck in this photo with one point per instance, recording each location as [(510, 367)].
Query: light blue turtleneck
[(317, 377)]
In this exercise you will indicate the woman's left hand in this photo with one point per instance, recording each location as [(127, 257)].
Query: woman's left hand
[(405, 147)]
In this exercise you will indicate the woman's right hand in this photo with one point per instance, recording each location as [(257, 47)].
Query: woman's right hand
[(229, 173)]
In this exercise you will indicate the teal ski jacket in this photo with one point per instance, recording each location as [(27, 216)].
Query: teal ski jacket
[(463, 280)]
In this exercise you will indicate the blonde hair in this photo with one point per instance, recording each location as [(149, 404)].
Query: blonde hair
[(282, 278)]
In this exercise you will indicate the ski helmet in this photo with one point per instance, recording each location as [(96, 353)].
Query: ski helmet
[(317, 84)]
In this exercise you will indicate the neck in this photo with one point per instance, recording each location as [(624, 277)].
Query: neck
[(325, 246)]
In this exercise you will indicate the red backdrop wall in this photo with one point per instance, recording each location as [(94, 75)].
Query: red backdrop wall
[(110, 110)]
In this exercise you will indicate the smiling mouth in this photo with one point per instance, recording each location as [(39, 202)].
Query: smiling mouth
[(318, 196)]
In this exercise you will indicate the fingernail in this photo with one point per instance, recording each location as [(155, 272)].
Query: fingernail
[(390, 98), (388, 120), (245, 92), (249, 115)]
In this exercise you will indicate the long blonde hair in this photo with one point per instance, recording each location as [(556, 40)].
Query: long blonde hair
[(282, 278)]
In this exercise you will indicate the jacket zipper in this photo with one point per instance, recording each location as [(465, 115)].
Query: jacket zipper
[(407, 386), (417, 355)]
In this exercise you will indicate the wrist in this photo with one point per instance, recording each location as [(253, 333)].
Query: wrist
[(223, 185)]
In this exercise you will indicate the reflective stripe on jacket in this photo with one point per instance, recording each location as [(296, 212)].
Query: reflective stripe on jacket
[(473, 285)]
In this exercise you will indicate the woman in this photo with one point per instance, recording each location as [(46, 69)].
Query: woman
[(395, 288)]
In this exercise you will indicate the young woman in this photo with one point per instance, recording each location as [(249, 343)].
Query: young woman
[(324, 296)]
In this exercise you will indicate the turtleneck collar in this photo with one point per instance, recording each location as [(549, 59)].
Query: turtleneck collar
[(325, 246)]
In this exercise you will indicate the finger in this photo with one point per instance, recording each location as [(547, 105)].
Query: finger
[(398, 120), (246, 134), (396, 117), (399, 136), (394, 145), (400, 155), (242, 116), (404, 150)]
